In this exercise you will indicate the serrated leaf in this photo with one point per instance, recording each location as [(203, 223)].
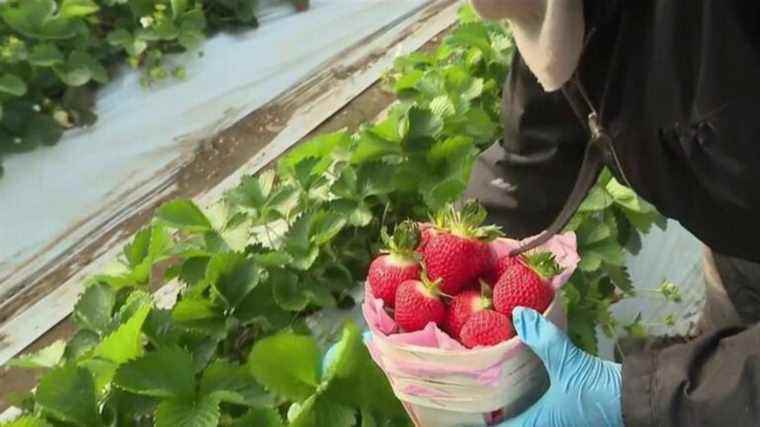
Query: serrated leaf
[(102, 372), (265, 417), (442, 106), (260, 307), (627, 198), (597, 199), (370, 147), (592, 232), (44, 358), (449, 148), (272, 258), (318, 411), (166, 372), (126, 342), (327, 225), (184, 215), (201, 412), (233, 276), (422, 127), (443, 193), (608, 250), (287, 292), (319, 149), (81, 343), (68, 394), (621, 278), (194, 308), (590, 261), (233, 383), (12, 85), (95, 307), (301, 356)]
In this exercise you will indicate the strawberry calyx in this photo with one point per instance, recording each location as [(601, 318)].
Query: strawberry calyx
[(431, 287), (543, 263), (486, 297), (402, 245), (466, 222)]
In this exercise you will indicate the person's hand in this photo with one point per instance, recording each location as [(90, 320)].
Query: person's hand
[(584, 391)]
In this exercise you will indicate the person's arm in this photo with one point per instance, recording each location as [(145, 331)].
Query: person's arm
[(711, 381), (525, 179)]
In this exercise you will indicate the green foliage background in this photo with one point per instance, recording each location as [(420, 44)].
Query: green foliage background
[(235, 349)]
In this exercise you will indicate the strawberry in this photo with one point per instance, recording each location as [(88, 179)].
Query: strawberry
[(398, 265), (418, 303), (525, 284), (465, 305), (486, 327), (457, 251), (500, 265)]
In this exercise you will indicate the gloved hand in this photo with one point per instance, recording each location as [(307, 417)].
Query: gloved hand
[(585, 390)]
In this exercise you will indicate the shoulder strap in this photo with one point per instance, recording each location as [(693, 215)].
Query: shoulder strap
[(593, 161)]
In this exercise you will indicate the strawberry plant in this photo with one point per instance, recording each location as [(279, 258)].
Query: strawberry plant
[(236, 347), (54, 54)]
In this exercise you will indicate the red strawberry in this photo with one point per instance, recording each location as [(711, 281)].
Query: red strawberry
[(400, 264), (486, 327), (500, 265), (525, 284), (418, 303), (457, 252), (463, 306)]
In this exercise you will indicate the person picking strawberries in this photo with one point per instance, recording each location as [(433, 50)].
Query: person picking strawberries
[(665, 94)]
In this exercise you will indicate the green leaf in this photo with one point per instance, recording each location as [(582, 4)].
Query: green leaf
[(178, 7), (590, 261), (233, 383), (287, 292), (67, 394), (166, 372), (37, 19), (627, 198), (354, 379), (608, 250), (271, 259), (45, 55), (598, 199), (265, 417), (126, 342), (442, 106), (327, 225), (422, 126), (233, 276), (260, 308), (450, 148), (78, 8), (203, 412), (318, 411), (95, 307), (301, 356), (592, 232), (319, 149), (370, 147), (28, 421), (12, 85), (621, 278), (184, 215), (195, 308), (47, 357)]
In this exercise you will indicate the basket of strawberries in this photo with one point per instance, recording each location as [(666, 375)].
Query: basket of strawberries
[(439, 303)]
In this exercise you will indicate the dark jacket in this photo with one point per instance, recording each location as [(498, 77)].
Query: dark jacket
[(677, 84)]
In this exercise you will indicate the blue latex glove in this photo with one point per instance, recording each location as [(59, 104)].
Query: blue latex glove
[(584, 391)]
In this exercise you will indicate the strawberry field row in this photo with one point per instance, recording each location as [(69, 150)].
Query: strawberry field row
[(235, 349), (54, 54)]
